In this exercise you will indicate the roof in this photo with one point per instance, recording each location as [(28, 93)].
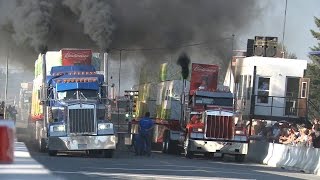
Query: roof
[(68, 69), (315, 53), (77, 85), (214, 94)]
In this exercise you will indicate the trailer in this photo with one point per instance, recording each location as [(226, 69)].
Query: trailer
[(23, 112)]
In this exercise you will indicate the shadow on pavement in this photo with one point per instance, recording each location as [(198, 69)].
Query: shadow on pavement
[(159, 166), (24, 166)]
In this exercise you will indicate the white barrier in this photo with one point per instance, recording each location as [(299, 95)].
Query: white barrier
[(296, 158)]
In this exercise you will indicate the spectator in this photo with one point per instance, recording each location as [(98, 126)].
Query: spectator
[(290, 138), (284, 135), (145, 132), (303, 138), (311, 139), (316, 133), (276, 131)]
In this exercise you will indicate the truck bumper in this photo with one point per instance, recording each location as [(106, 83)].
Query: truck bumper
[(82, 143), (204, 146)]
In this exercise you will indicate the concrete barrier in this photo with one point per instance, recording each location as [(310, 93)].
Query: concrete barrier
[(296, 158), (7, 133), (257, 151)]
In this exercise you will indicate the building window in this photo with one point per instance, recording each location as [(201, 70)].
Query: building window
[(167, 96), (263, 90), (304, 90), (249, 88), (240, 87), (244, 90)]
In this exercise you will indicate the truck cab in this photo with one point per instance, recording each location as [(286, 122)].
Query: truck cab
[(69, 104), (77, 120), (214, 130)]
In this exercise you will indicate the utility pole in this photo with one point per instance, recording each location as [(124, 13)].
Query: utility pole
[(120, 56), (232, 44), (6, 86), (284, 29)]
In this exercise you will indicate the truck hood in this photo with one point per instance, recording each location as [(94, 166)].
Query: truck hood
[(72, 102)]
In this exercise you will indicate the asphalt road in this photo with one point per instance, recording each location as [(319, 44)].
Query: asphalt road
[(159, 166)]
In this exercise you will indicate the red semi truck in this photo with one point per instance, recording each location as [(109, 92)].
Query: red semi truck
[(193, 116)]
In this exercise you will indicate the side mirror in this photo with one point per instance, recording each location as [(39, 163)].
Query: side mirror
[(39, 94)]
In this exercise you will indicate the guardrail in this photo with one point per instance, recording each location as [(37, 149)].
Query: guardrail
[(298, 158), (290, 106)]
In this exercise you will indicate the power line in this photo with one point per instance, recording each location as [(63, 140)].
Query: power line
[(13, 68), (174, 47)]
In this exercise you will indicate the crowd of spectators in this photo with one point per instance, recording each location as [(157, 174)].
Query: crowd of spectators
[(289, 133)]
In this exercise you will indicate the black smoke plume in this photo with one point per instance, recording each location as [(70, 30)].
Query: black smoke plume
[(96, 17), (126, 24), (31, 22), (184, 62)]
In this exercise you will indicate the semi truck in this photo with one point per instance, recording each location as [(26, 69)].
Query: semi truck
[(192, 116), (69, 104)]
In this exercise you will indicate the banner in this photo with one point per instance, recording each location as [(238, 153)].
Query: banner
[(204, 77), (76, 57)]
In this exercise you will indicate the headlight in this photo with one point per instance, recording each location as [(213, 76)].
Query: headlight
[(103, 126), (196, 135), (197, 129), (239, 132), (57, 128)]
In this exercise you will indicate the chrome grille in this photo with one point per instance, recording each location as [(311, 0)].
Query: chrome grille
[(219, 127), (81, 121)]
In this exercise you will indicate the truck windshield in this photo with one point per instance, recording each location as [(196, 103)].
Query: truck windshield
[(58, 114), (196, 118), (78, 94)]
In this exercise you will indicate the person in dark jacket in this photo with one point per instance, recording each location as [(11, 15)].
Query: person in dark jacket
[(145, 133)]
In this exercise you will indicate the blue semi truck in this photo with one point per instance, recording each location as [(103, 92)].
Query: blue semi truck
[(69, 105)]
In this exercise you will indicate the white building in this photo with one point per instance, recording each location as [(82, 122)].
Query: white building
[(280, 91)]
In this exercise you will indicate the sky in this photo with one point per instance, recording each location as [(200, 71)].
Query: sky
[(299, 21)]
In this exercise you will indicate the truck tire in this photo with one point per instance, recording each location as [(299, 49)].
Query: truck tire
[(169, 146), (52, 152), (240, 157), (187, 153), (108, 153), (42, 144), (165, 141), (173, 147), (164, 146), (209, 155)]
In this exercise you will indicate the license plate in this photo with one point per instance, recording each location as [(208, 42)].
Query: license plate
[(82, 146)]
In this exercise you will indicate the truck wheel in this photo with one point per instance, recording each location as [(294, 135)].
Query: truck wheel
[(173, 147), (188, 154), (164, 146), (240, 157), (108, 153), (209, 155), (165, 142), (42, 145), (52, 152)]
